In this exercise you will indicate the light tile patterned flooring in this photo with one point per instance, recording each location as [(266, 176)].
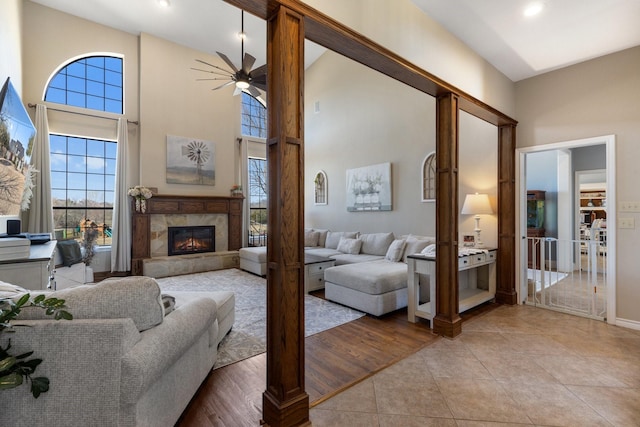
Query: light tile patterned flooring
[(516, 365)]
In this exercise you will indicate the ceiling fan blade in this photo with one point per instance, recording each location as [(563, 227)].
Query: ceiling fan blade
[(259, 72), (214, 78), (261, 86), (228, 75), (247, 63), (224, 85), (228, 61), (253, 91), (214, 66)]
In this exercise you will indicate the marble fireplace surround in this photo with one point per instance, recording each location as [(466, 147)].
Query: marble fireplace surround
[(150, 241)]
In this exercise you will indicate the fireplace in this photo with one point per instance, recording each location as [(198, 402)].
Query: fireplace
[(191, 239)]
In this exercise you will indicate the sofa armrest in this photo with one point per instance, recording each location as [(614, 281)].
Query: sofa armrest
[(160, 347), (82, 359)]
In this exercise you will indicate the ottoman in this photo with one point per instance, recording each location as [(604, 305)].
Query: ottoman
[(375, 287), (254, 260)]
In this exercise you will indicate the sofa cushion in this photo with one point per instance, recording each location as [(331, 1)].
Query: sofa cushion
[(376, 243), (374, 278), (256, 254), (341, 259), (396, 250), (415, 244), (323, 252), (333, 238), (70, 252), (311, 238), (135, 297), (349, 246)]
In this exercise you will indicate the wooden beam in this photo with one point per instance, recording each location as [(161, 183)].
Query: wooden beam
[(285, 401), (447, 321), (506, 282)]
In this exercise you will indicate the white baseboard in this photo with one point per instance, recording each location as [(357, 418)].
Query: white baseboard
[(625, 323)]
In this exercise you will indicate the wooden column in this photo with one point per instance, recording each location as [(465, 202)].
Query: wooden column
[(285, 402), (506, 286), (447, 321)]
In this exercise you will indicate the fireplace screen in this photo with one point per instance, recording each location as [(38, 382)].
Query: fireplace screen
[(192, 240)]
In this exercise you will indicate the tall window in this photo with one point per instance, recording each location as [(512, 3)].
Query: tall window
[(83, 175), (83, 168), (257, 202), (254, 117)]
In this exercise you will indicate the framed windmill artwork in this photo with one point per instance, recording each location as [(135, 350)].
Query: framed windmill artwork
[(190, 161)]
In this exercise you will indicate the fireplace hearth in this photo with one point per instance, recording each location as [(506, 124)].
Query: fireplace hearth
[(191, 239)]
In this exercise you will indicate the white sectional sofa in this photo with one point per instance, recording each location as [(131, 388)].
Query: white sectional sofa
[(371, 270), (124, 360)]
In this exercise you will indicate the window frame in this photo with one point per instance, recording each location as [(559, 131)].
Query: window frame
[(428, 174)]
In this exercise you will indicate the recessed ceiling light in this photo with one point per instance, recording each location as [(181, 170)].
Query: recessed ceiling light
[(164, 3), (533, 9)]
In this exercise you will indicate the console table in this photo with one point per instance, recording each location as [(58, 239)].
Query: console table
[(476, 286), (314, 267), (34, 273)]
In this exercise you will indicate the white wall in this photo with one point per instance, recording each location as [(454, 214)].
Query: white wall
[(366, 118), (172, 102), (402, 27), (598, 97)]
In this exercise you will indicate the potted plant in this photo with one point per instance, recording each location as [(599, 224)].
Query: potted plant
[(14, 369)]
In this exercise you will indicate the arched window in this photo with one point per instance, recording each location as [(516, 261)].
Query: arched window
[(429, 178), (93, 82), (254, 117), (83, 168), (320, 188)]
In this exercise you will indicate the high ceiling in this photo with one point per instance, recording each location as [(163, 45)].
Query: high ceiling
[(564, 33)]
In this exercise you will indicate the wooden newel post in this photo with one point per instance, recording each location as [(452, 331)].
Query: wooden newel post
[(285, 402)]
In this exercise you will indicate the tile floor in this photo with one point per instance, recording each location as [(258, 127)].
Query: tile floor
[(516, 365)]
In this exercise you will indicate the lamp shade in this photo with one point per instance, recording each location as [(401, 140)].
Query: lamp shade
[(476, 204)]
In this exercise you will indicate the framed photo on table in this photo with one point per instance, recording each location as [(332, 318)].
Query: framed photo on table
[(468, 240)]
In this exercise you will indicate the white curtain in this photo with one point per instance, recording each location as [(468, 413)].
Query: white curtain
[(121, 237), (40, 209)]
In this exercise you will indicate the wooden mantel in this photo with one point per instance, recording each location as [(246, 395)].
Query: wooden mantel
[(167, 205)]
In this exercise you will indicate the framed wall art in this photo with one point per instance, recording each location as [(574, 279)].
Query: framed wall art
[(369, 188), (190, 161)]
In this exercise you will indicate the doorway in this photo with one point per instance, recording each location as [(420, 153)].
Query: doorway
[(573, 262)]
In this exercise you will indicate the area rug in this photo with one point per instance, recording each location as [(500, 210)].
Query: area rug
[(550, 278), (248, 335)]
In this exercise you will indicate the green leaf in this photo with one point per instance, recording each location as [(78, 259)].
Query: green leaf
[(24, 355), (23, 300), (39, 385), (10, 381), (38, 299), (66, 315), (7, 363)]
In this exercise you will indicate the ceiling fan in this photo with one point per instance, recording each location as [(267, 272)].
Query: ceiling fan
[(245, 79)]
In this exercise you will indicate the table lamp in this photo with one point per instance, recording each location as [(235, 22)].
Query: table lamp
[(477, 204)]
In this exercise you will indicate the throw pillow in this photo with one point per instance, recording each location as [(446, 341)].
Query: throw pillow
[(322, 236), (395, 251), (333, 238), (349, 246), (70, 251), (415, 245), (376, 243), (311, 238)]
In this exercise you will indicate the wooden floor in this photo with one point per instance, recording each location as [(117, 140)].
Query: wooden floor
[(335, 360)]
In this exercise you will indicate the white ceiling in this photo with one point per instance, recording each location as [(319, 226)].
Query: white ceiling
[(564, 33)]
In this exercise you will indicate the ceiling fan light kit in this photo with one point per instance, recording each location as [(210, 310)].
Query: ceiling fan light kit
[(244, 78)]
